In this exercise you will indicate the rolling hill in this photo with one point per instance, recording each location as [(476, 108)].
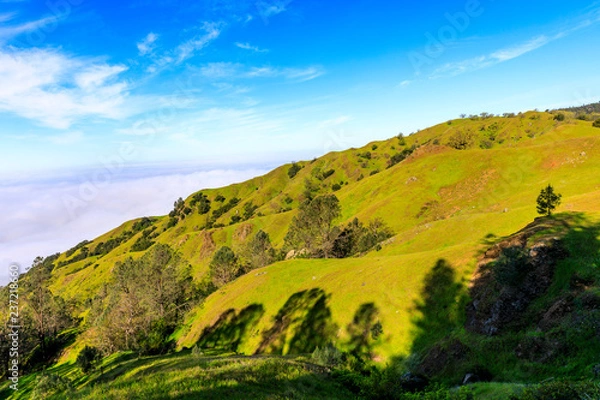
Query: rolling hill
[(448, 193)]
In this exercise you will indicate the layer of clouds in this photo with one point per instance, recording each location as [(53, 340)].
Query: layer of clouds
[(38, 220)]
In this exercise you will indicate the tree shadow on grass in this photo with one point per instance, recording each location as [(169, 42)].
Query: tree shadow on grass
[(231, 329), (364, 329), (303, 323)]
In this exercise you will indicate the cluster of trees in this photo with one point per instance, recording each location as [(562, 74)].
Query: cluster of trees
[(313, 233), (143, 304), (43, 317), (257, 252), (179, 212)]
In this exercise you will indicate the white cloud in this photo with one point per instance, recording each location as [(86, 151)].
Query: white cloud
[(329, 123), (188, 48), (220, 70), (405, 83), (148, 44), (5, 17), (268, 8), (248, 46), (67, 138), (38, 223), (9, 32), (518, 50), (238, 71), (55, 89), (494, 58)]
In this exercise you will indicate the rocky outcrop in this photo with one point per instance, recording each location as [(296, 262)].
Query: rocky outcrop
[(497, 304)]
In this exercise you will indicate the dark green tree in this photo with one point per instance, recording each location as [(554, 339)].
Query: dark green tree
[(547, 201), (88, 359), (312, 229), (224, 266), (258, 251)]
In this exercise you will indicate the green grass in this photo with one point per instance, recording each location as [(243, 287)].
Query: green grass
[(186, 376)]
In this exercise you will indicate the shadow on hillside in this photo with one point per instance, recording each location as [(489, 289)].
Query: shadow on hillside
[(363, 330), (230, 330), (440, 308), (303, 323)]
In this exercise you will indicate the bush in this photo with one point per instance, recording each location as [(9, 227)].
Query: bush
[(559, 117), (511, 267), (88, 358), (327, 355), (596, 123), (335, 187), (294, 169), (49, 384)]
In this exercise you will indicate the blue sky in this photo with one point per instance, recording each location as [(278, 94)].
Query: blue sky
[(243, 81), (228, 85)]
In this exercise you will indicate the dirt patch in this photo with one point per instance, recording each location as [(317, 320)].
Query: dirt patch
[(242, 232), (208, 244)]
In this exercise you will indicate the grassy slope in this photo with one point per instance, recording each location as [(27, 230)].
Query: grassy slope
[(473, 188), (461, 197), (185, 376)]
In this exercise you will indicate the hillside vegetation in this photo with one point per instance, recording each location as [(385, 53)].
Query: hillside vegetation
[(425, 283)]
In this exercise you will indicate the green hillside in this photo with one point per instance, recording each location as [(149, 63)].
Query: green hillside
[(448, 193)]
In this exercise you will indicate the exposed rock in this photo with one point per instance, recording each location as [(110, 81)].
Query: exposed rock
[(496, 305), (413, 382), (441, 357)]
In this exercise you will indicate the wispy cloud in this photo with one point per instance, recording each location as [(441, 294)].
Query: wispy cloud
[(56, 89), (267, 9), (225, 70), (517, 50), (248, 46), (187, 49), (9, 32), (329, 123), (5, 17), (148, 44)]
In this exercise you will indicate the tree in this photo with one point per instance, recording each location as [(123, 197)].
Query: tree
[(312, 229), (294, 169), (547, 201), (88, 358), (259, 252), (223, 266), (146, 297)]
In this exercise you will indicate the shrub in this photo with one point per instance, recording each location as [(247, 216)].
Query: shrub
[(559, 117), (335, 187), (327, 355), (49, 384), (511, 267), (374, 147), (88, 358), (596, 123), (294, 169), (461, 140)]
